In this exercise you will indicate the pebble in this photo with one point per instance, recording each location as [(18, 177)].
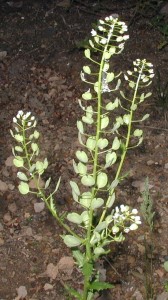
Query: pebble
[(9, 161), (48, 286), (1, 241), (3, 186), (166, 166), (12, 207), (150, 162), (7, 217)]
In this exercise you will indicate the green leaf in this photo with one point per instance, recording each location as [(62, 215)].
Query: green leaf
[(86, 69), (133, 106), (47, 183), (91, 143), (40, 167), (86, 199), (85, 202), (79, 257), (166, 266), (97, 202), (107, 55), (18, 161), (85, 218), (34, 147), (132, 84), (112, 105), (112, 49), (87, 120), (96, 87), (74, 218), (102, 180), (75, 167), (126, 119), (45, 163), (145, 117), (87, 269), (110, 77), (148, 95), (82, 168), (23, 188), (91, 43), (104, 122), (22, 176), (116, 144), (100, 226), (138, 132), (110, 159), (82, 156), (87, 53), (80, 127), (98, 286), (71, 241), (142, 98), (87, 96), (88, 180), (114, 183), (18, 138), (111, 200), (36, 134), (74, 187), (18, 148), (99, 251), (73, 292), (102, 143)]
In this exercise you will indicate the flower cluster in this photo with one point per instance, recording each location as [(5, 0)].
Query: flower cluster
[(144, 69), (114, 24), (126, 219), (24, 118)]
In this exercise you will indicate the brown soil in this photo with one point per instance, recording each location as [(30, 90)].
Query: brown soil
[(41, 74)]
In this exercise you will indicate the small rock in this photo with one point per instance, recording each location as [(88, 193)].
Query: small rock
[(32, 183), (137, 295), (38, 237), (38, 207), (48, 286), (1, 227), (3, 186), (28, 231), (22, 293), (52, 271), (1, 241), (3, 54), (11, 186), (160, 273), (150, 162), (66, 264), (7, 217), (162, 296), (166, 166), (12, 207), (9, 161)]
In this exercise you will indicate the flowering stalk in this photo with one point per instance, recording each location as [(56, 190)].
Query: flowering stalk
[(105, 139)]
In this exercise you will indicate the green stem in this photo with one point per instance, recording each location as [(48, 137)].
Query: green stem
[(126, 144), (40, 191)]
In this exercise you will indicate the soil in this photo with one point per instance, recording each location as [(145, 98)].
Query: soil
[(41, 56)]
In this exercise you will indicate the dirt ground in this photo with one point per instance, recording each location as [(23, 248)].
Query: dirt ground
[(41, 56)]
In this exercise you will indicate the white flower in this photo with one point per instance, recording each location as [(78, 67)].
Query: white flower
[(129, 72), (29, 124), (101, 28), (126, 77), (103, 41), (121, 46), (133, 226), (119, 39), (19, 114), (107, 19), (134, 211), (115, 229), (126, 230), (82, 76), (26, 115), (14, 120), (125, 37), (32, 118), (101, 21), (93, 32)]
